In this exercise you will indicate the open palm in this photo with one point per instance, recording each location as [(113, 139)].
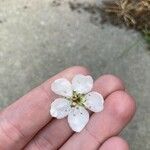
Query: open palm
[(27, 124)]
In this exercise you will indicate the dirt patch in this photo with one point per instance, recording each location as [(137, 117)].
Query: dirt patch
[(117, 13), (97, 14), (132, 14), (25, 7), (56, 3)]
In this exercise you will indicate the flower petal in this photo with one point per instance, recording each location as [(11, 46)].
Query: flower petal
[(82, 84), (78, 118), (94, 101), (60, 108), (62, 87)]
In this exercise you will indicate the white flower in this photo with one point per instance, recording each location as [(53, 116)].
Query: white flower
[(76, 97)]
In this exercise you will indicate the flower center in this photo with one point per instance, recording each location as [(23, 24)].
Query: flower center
[(77, 99)]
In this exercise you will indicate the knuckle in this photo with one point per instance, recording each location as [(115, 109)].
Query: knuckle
[(40, 143), (123, 105), (114, 81), (82, 68), (120, 142), (9, 134)]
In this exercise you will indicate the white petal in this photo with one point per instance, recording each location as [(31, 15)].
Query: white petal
[(78, 118), (94, 101), (60, 108), (62, 87), (82, 84)]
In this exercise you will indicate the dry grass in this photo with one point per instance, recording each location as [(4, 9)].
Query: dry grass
[(134, 13)]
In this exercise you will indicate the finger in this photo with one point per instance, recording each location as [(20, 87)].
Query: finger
[(23, 119), (118, 111), (58, 131), (115, 143)]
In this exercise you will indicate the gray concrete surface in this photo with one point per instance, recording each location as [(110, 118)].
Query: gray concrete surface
[(39, 39)]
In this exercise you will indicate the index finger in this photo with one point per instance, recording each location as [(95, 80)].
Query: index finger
[(22, 120)]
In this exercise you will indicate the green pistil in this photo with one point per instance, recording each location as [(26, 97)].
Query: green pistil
[(77, 99)]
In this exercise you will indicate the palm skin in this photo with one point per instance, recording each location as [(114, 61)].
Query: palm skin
[(26, 124)]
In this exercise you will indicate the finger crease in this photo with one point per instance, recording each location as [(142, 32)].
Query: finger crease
[(113, 92), (42, 142), (93, 136), (11, 131)]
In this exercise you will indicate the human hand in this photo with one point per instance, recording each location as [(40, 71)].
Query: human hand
[(27, 124)]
